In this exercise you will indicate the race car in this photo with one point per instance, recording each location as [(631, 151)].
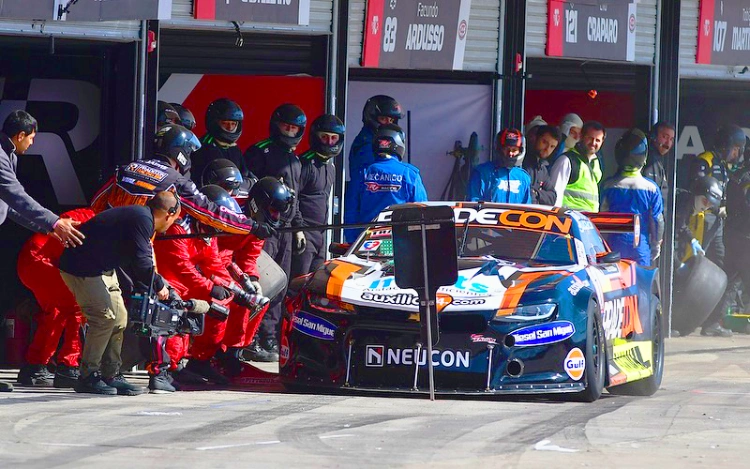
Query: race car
[(540, 305)]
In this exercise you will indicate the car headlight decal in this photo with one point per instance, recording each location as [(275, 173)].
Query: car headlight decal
[(526, 313)]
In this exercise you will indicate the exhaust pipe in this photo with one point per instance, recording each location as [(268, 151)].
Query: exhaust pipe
[(514, 369)]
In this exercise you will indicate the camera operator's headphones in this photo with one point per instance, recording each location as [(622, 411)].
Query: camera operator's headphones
[(176, 208)]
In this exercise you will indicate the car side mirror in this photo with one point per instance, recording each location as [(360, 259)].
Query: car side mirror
[(608, 257), (338, 249)]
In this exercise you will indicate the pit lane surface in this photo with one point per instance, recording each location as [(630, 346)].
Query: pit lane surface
[(700, 418)]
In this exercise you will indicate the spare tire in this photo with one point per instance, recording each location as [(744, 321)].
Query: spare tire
[(698, 287), (273, 279)]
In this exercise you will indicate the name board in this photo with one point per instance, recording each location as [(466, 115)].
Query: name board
[(724, 32), (592, 30), (415, 34), (256, 11), (114, 10)]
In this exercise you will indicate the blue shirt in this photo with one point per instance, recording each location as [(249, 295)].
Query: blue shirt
[(387, 181), (639, 195), (491, 183), (361, 154)]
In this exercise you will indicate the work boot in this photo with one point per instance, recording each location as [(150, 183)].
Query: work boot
[(159, 384), (185, 376), (232, 362), (715, 330), (66, 376), (204, 368), (674, 333), (271, 345), (93, 384), (5, 387), (254, 352), (35, 375), (124, 388)]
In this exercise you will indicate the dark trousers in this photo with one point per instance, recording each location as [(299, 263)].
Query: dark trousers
[(313, 257), (737, 267), (280, 249)]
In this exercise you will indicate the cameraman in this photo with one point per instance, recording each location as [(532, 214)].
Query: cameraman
[(116, 238)]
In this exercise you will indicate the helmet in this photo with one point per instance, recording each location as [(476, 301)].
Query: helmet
[(220, 197), (381, 105), (177, 143), (186, 117), (223, 173), (292, 115), (224, 109), (326, 123), (389, 140), (509, 138), (728, 137), (166, 114), (269, 200), (710, 188), (632, 149)]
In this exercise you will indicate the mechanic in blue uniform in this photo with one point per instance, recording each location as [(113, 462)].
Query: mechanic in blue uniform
[(629, 192), (387, 181), (316, 181), (224, 127), (503, 179)]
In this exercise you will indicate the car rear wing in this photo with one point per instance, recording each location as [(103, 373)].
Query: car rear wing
[(610, 222)]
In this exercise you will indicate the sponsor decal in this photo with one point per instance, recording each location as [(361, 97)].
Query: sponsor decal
[(513, 219), (378, 356), (574, 364), (284, 351), (543, 334), (482, 339), (380, 233), (577, 285), (370, 246), (314, 326), (397, 299), (377, 187)]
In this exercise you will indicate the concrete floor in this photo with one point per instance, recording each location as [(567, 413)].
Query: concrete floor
[(700, 418)]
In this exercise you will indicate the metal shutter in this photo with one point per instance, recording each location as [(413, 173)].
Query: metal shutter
[(645, 41), (123, 31), (481, 44), (320, 19)]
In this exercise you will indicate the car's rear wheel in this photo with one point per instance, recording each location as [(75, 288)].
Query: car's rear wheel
[(648, 386), (596, 357)]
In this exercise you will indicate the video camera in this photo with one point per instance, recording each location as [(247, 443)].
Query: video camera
[(152, 318)]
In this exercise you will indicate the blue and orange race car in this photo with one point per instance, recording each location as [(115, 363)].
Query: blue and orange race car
[(541, 305)]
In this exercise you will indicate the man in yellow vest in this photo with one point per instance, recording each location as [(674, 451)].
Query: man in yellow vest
[(584, 170)]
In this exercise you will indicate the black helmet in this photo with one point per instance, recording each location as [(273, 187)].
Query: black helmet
[(270, 200), (166, 114), (509, 138), (331, 124), (389, 140), (728, 137), (177, 143), (710, 188), (632, 149), (223, 173), (186, 117), (292, 115), (224, 109), (381, 105)]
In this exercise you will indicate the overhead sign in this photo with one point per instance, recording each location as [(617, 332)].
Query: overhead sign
[(27, 9), (592, 29), (113, 10), (724, 32), (256, 11), (415, 34)]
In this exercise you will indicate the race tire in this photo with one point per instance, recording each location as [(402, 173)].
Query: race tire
[(273, 279), (648, 386), (596, 357), (698, 289)]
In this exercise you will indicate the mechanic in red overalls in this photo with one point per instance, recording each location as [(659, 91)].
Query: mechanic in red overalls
[(38, 270)]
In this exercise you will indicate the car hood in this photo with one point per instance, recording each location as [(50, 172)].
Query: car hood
[(483, 284)]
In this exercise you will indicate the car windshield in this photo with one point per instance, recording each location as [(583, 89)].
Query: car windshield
[(518, 245)]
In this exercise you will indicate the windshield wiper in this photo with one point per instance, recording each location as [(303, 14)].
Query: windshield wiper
[(466, 230)]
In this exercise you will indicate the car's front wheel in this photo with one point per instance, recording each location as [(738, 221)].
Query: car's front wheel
[(596, 357)]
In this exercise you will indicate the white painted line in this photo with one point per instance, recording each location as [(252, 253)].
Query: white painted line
[(150, 413), (545, 445), (208, 448), (695, 391), (77, 445), (325, 437)]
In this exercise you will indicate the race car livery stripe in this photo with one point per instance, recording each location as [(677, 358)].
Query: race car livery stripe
[(614, 294), (513, 295), (338, 276), (633, 359)]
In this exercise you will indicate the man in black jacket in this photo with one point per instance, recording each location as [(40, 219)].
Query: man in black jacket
[(536, 164), (661, 142), (119, 238)]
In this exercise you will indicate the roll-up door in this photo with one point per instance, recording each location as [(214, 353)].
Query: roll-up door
[(104, 30), (645, 40), (182, 18), (481, 42)]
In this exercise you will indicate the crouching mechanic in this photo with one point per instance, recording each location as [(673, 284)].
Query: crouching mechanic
[(188, 266), (119, 238), (629, 192), (387, 181), (503, 179), (38, 269)]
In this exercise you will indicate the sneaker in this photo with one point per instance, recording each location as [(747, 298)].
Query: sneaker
[(159, 384), (675, 333), (204, 368), (715, 330), (35, 375), (124, 388), (5, 387), (93, 384), (254, 352), (66, 376)]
